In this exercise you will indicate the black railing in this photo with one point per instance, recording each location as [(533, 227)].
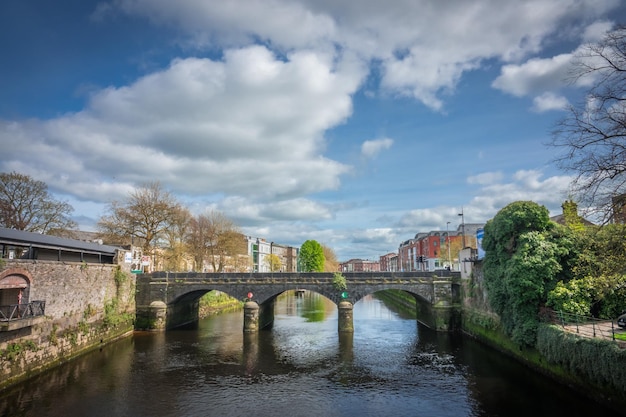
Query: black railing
[(584, 325), (22, 311)]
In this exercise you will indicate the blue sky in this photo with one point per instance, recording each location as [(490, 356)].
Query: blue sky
[(357, 124)]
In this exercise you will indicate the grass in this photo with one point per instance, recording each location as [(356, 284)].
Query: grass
[(620, 336)]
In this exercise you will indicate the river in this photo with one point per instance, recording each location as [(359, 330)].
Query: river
[(391, 366)]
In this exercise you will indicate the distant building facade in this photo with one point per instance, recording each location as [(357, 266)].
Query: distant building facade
[(259, 251), (388, 262), (424, 251), (359, 265)]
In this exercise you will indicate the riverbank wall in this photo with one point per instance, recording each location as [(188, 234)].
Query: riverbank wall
[(594, 367), (87, 305)]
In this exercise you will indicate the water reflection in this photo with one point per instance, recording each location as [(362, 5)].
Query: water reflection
[(303, 367)]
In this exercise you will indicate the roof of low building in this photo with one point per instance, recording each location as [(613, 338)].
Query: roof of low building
[(22, 238)]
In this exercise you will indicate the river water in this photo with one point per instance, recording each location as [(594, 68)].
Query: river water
[(391, 366)]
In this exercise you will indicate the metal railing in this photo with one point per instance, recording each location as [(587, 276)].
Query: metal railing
[(22, 311), (584, 325)]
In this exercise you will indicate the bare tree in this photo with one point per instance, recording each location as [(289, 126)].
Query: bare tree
[(331, 264), (593, 133), (174, 252), (273, 262), (142, 219), (215, 239), (25, 204)]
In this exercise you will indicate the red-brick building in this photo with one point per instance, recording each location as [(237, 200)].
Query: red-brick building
[(359, 265)]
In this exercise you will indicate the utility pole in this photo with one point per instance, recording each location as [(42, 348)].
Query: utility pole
[(448, 237), (462, 227)]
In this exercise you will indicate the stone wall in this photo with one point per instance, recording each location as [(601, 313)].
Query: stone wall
[(87, 305)]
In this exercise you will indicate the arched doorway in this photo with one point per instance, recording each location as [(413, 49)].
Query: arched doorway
[(14, 287)]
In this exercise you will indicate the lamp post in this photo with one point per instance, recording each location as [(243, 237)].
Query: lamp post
[(462, 227), (448, 237)]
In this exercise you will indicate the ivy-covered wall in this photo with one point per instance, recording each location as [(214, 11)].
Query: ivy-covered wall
[(595, 367)]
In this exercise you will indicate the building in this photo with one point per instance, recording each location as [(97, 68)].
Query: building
[(407, 252), (619, 209), (15, 245), (359, 265), (18, 244), (424, 251), (259, 251), (388, 262), (288, 256)]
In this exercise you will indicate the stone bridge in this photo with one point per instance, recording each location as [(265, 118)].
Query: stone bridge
[(166, 300)]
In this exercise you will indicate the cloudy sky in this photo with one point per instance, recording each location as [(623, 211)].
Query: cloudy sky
[(355, 123)]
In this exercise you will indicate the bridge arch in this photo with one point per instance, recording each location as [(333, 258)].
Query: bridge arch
[(180, 292)]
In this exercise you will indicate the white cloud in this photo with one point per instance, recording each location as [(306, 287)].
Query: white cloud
[(250, 124), (596, 31), (371, 148), (423, 47), (524, 185), (549, 101), (534, 76), (485, 178), (495, 193)]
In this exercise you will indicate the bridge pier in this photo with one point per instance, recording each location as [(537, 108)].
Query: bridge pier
[(346, 320), (250, 317)]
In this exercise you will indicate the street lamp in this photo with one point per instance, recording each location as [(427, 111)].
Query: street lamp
[(448, 236), (462, 227)]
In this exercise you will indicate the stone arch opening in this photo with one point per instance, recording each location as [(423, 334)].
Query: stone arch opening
[(14, 287)]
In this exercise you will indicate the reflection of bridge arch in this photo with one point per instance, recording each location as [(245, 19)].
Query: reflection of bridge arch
[(166, 300)]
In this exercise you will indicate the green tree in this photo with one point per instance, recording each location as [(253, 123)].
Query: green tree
[(524, 254), (311, 256), (25, 204), (596, 284)]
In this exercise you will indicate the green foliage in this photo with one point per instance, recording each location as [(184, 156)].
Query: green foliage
[(14, 350), (83, 327), (53, 338), (120, 277), (216, 299), (517, 218), (524, 251), (596, 284), (339, 282), (482, 320), (72, 336), (90, 311), (572, 219), (597, 361), (312, 256), (145, 323), (602, 251), (574, 297), (112, 316)]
